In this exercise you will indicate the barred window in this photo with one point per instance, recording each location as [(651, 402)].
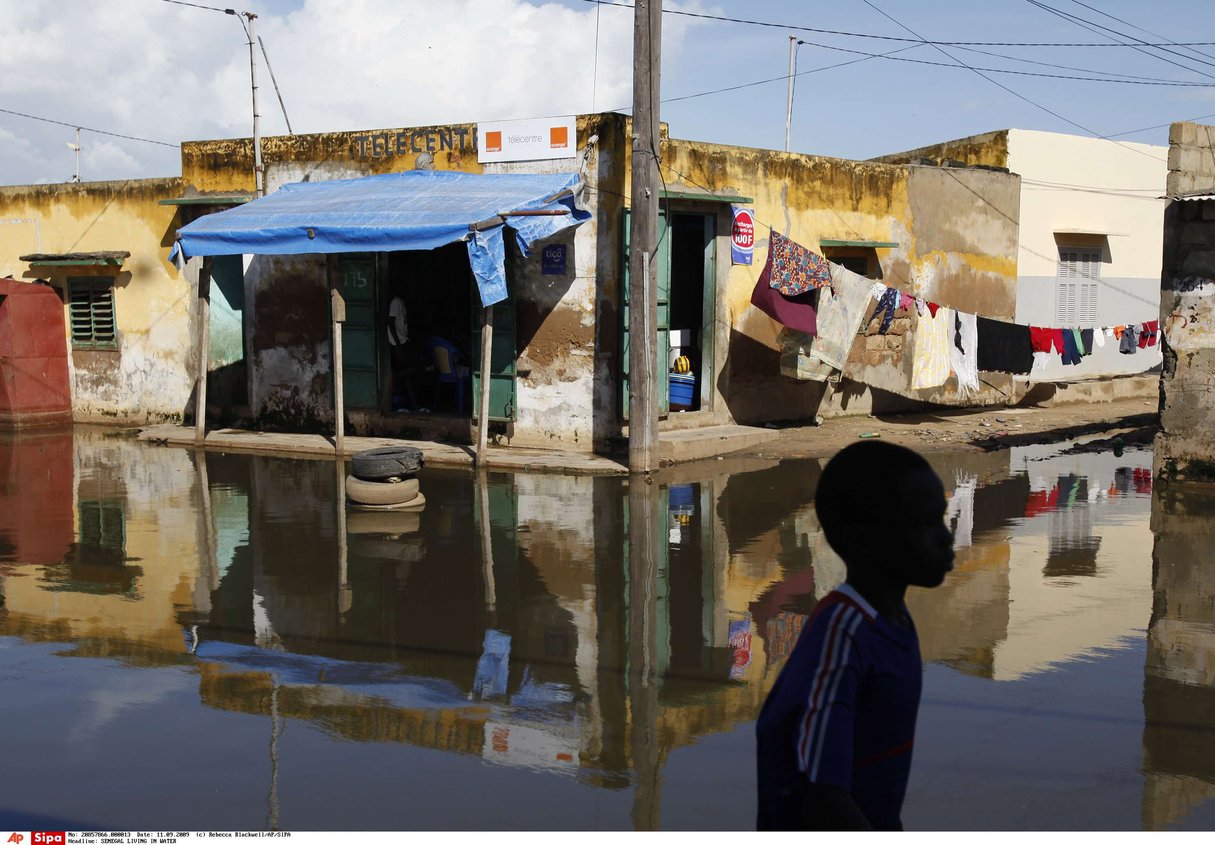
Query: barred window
[(91, 310)]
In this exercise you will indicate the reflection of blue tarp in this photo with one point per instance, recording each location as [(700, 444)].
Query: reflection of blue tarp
[(419, 209), (383, 681)]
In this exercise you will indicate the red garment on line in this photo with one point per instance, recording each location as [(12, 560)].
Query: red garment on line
[(1041, 340), (932, 308), (1148, 335)]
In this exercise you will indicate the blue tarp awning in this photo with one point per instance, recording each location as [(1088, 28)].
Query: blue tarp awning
[(418, 209)]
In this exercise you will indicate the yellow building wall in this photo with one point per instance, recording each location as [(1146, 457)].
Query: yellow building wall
[(148, 377)]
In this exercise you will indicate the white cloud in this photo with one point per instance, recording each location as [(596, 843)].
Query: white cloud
[(168, 72)]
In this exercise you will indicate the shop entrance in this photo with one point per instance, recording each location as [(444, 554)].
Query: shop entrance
[(686, 292), (438, 316)]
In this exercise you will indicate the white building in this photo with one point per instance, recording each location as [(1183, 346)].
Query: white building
[(1091, 232)]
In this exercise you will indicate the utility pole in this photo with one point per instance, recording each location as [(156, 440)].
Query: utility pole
[(643, 238), (789, 99), (259, 175)]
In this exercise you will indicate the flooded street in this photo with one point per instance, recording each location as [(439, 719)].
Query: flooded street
[(215, 645)]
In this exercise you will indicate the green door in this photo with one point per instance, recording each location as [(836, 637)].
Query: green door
[(359, 370), (663, 287), (501, 360)]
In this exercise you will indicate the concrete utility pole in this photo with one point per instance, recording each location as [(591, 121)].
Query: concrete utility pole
[(793, 42), (259, 176), (643, 238)]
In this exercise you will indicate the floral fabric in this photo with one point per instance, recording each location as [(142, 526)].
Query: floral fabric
[(796, 269)]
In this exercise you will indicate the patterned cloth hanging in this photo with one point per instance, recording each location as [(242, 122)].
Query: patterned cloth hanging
[(795, 269)]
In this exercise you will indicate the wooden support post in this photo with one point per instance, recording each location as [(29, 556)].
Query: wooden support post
[(487, 548), (337, 309), (643, 239), (204, 351), (644, 536), (487, 337), (345, 596)]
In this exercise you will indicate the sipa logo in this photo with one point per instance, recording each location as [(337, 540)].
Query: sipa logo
[(41, 837)]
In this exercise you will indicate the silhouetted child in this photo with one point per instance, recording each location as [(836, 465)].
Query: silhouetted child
[(836, 733)]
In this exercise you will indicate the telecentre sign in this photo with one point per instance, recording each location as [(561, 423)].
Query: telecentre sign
[(527, 140)]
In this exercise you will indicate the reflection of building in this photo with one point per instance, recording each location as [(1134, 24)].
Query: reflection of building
[(1179, 676)]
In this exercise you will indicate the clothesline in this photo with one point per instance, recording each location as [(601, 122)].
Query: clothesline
[(819, 335)]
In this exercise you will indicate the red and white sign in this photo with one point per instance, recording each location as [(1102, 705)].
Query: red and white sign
[(527, 140), (742, 236)]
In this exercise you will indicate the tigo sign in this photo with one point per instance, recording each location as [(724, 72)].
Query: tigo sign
[(527, 140), (742, 236)]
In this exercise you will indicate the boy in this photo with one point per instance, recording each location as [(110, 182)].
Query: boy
[(835, 735)]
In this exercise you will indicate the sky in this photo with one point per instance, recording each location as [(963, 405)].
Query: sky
[(167, 72)]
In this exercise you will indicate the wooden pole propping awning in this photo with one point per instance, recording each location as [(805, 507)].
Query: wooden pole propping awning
[(491, 222)]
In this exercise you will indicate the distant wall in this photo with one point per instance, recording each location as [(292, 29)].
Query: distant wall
[(1185, 449)]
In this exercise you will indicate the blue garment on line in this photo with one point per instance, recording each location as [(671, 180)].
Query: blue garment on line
[(1071, 351), (886, 307)]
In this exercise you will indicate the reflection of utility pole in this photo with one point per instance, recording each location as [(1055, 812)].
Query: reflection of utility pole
[(487, 549), (644, 536), (275, 730), (208, 576), (345, 596)]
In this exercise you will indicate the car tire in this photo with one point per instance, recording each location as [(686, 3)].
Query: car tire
[(385, 463), (414, 504), (381, 492)]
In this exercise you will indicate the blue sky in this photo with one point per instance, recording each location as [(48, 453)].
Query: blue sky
[(161, 71)]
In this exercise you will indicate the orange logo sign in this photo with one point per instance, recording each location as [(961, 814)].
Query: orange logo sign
[(493, 142), (558, 138)]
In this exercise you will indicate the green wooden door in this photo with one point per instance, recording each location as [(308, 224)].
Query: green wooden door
[(501, 360), (663, 323), (359, 370)]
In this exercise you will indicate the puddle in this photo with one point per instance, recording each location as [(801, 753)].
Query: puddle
[(220, 646)]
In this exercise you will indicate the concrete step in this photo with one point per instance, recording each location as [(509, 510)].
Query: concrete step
[(693, 444)]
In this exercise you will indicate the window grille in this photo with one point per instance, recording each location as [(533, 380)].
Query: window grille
[(91, 311), (1077, 288)]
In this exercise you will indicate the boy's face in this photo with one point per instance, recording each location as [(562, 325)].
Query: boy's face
[(917, 544)]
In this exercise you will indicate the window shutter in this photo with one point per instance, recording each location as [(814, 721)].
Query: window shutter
[(1077, 289), (91, 313)]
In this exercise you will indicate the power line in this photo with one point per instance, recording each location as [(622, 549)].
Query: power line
[(958, 63), (200, 6), (1160, 126), (88, 128), (1094, 27), (1141, 29), (1000, 85), (770, 24), (1065, 67)]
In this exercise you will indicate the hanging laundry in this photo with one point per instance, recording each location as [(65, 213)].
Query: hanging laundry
[(1147, 336), (795, 269), (1129, 344), (1004, 347), (796, 312), (841, 309), (1071, 351), (921, 307), (964, 353), (878, 291), (930, 355), (1099, 336), (1043, 340), (1117, 332), (885, 309), (906, 301), (960, 513), (1086, 342), (932, 308)]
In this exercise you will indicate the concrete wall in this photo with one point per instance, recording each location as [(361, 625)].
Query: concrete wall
[(148, 377), (1187, 310), (1074, 191), (1072, 186)]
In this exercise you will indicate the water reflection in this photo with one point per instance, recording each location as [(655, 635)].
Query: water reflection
[(617, 637)]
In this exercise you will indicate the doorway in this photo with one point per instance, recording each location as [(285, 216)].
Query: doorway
[(693, 306)]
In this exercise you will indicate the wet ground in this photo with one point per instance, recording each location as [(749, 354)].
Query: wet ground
[(189, 644)]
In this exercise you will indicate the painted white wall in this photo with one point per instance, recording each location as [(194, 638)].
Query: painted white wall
[(1094, 185)]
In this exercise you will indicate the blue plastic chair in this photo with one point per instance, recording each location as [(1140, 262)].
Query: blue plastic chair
[(448, 370)]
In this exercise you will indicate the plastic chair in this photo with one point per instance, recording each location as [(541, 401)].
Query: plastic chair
[(448, 370)]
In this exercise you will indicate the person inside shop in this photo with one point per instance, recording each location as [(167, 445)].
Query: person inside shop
[(400, 351), (835, 735)]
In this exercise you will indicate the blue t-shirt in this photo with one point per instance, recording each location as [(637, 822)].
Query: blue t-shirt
[(842, 713)]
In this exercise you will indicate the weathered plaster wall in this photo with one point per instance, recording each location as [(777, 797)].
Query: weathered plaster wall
[(149, 376), (987, 150), (1187, 311), (956, 231)]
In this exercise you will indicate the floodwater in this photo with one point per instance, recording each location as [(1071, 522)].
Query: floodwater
[(190, 644)]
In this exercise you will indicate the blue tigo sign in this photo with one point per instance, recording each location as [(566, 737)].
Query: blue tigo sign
[(552, 260), (742, 236)]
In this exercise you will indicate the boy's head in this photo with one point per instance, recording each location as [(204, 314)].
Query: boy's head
[(883, 510)]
